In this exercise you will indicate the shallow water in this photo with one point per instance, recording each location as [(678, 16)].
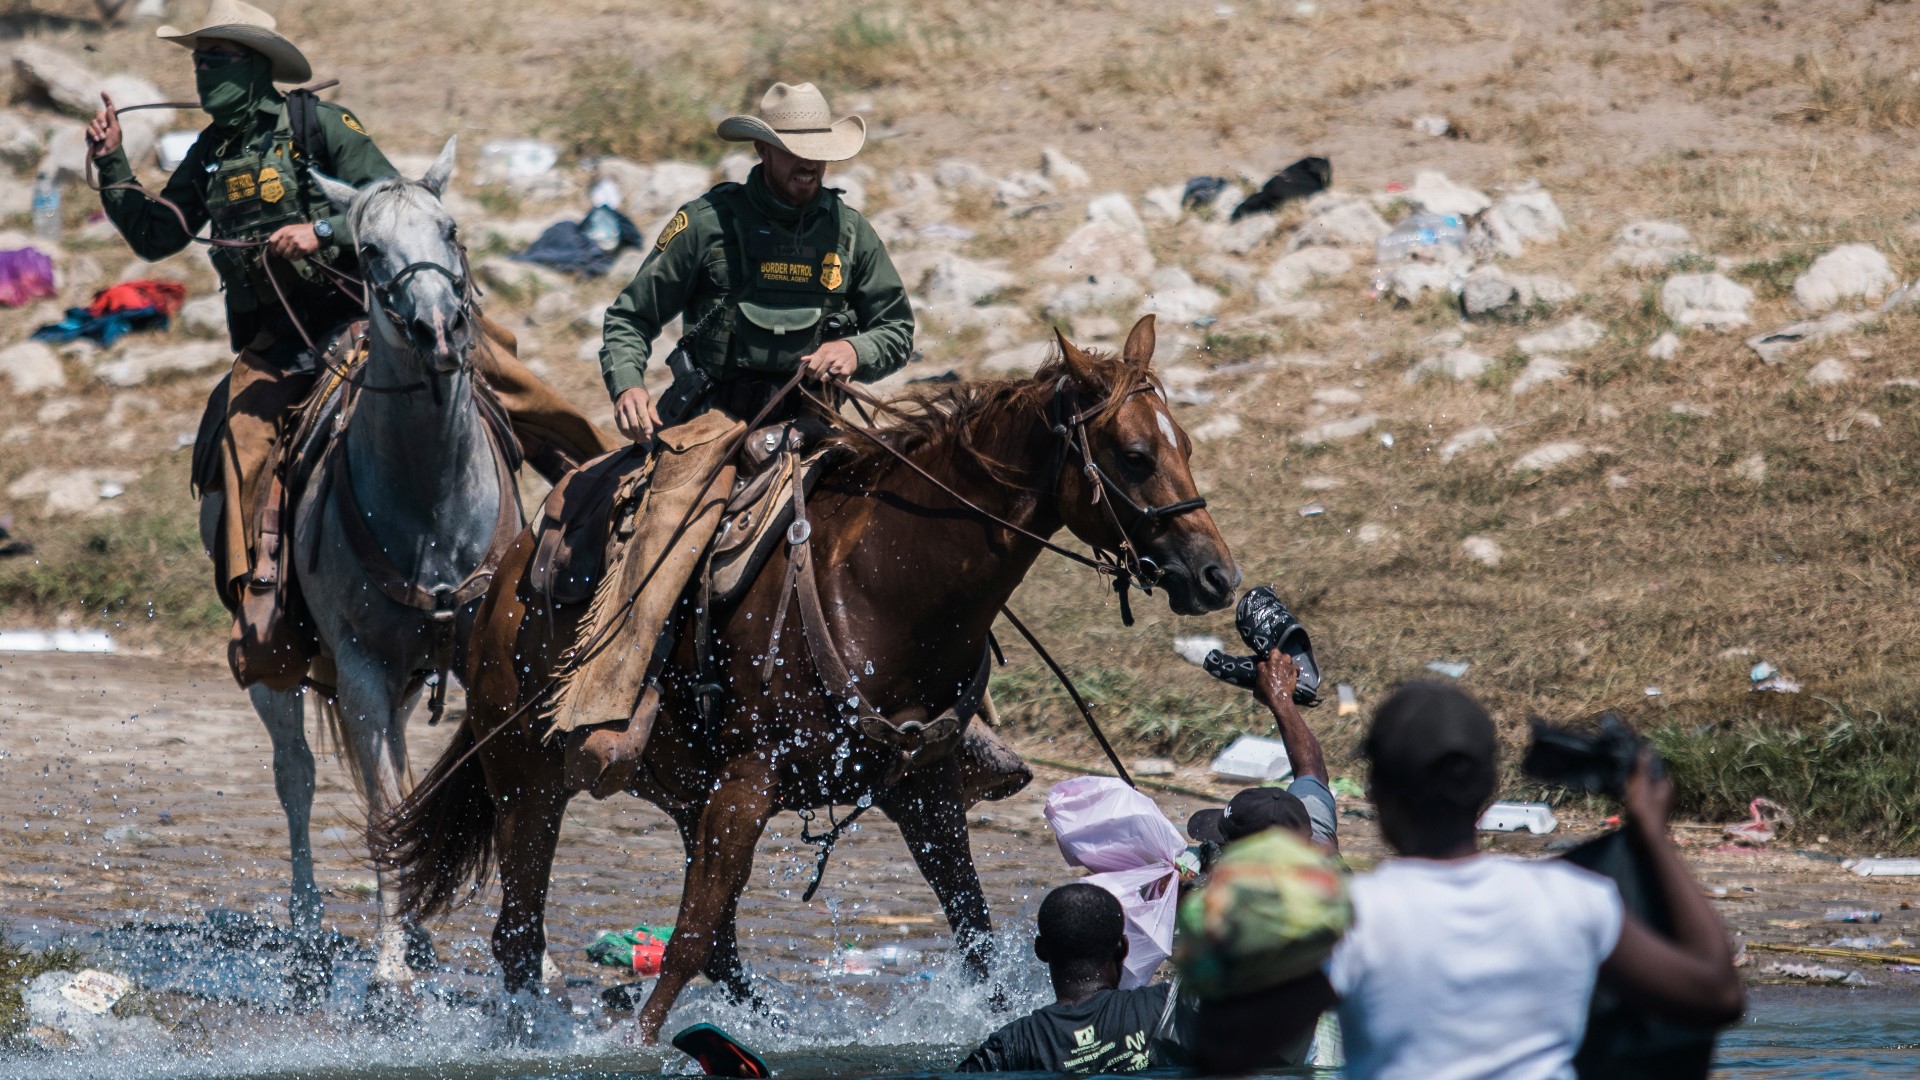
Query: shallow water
[(230, 975)]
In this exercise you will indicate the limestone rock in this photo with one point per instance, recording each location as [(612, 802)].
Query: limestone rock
[(1229, 272), (553, 308), (1457, 364), (736, 167), (1848, 272), (1338, 220), (1539, 371), (1163, 203), (1337, 395), (140, 363), (32, 366), (1664, 347), (1021, 187), (59, 78), (1116, 208), (1775, 346), (72, 491), (204, 316), (1577, 334), (1020, 360), (508, 276), (1293, 272), (953, 174), (1059, 168), (1092, 294), (1001, 326), (1651, 244), (1173, 295), (1519, 219), (1433, 192), (1431, 125), (665, 186), (1337, 430), (1488, 291), (957, 280), (1711, 301), (1831, 371), (1240, 237), (1101, 249), (1409, 280), (21, 140), (1483, 550), (1553, 455), (1752, 468), (1223, 425), (1471, 439)]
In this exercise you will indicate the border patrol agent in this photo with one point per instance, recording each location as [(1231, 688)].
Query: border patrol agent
[(773, 274), (249, 176)]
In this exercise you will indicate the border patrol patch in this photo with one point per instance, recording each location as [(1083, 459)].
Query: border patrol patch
[(672, 230), (830, 275), (271, 188), (352, 124), (240, 186)]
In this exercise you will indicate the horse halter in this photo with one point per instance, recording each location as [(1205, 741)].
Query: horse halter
[(1125, 563)]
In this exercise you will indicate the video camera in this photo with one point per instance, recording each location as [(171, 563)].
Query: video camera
[(1596, 762)]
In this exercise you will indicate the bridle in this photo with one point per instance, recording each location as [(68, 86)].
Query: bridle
[(387, 294)]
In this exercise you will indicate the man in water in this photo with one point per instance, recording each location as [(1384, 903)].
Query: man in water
[(1092, 1025)]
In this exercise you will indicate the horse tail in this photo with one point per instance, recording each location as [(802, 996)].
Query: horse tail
[(439, 841)]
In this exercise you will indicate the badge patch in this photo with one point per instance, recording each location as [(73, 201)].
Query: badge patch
[(271, 188), (786, 273), (830, 275), (352, 124), (240, 186), (672, 230)]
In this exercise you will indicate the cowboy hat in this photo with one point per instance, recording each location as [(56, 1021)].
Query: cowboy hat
[(244, 24), (796, 119)]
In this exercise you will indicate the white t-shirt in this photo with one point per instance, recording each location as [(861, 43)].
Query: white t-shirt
[(1471, 968)]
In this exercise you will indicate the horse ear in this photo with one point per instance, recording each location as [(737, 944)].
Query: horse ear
[(1079, 364), (441, 170), (1138, 351), (338, 192)]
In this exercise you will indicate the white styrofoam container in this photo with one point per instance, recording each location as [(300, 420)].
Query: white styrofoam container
[(1535, 817), (1254, 757), (1886, 867)]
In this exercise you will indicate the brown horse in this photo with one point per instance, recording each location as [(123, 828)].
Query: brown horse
[(911, 581)]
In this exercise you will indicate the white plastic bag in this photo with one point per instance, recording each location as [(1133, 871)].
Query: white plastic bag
[(1119, 834)]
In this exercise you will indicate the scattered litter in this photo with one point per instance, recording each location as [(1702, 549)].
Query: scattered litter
[(518, 159), (605, 192), (1652, 691), (1452, 669), (9, 544), (1312, 510), (1432, 237), (1868, 941), (851, 961), (1767, 819), (588, 247), (131, 836), (1253, 757), (1435, 127), (942, 230), (26, 275), (1816, 973), (1194, 650), (1535, 817), (1349, 704), (1386, 439), (68, 641), (1126, 840), (1306, 177), (112, 489), (1201, 191), (117, 311), (1151, 766), (1851, 915), (639, 950), (1885, 867), (96, 991)]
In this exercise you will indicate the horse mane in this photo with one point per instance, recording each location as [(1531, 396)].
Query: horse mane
[(379, 192), (964, 421)]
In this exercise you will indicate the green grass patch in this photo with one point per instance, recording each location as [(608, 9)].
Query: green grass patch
[(1773, 278), (124, 570), (1139, 715), (616, 106), (1845, 775), (19, 966)]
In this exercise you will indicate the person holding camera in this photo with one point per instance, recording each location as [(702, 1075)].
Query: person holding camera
[(767, 276), (1467, 965)]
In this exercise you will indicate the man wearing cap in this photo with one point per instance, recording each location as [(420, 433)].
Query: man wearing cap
[(248, 175), (1305, 807), (767, 276)]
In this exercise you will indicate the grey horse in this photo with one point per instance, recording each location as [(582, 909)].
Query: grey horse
[(424, 476)]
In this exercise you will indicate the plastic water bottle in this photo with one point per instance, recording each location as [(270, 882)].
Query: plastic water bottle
[(1433, 237), (46, 207)]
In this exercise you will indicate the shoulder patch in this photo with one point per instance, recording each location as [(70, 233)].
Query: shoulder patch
[(347, 119), (673, 229)]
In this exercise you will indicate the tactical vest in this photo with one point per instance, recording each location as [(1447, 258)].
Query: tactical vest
[(780, 286), (252, 191)]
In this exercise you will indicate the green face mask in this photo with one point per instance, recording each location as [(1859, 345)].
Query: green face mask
[(227, 93)]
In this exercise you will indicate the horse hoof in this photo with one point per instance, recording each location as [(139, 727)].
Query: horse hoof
[(309, 977), (389, 1004), (421, 956)]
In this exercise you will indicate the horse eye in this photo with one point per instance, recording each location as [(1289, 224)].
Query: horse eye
[(369, 252), (1138, 459)]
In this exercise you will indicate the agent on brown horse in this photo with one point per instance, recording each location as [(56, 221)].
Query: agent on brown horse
[(909, 581)]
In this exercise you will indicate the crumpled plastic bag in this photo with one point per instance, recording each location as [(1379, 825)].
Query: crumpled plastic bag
[(1119, 834), (26, 275)]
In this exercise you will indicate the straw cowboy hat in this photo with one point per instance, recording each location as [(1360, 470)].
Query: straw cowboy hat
[(796, 119), (244, 24)]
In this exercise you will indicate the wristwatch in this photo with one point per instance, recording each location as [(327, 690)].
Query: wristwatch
[(323, 229)]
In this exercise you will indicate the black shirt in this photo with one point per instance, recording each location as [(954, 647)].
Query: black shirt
[(1114, 1031)]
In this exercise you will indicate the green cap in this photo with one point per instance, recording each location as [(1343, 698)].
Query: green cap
[(1270, 912)]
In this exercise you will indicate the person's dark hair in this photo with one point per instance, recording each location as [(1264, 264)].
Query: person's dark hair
[(1080, 925), (1433, 750)]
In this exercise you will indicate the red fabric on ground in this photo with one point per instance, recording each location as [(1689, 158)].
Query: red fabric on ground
[(165, 296)]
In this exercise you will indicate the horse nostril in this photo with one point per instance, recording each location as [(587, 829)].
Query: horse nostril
[(1219, 580), (420, 329)]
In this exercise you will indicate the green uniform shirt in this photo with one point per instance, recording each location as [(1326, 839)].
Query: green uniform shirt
[(823, 256), (154, 232)]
